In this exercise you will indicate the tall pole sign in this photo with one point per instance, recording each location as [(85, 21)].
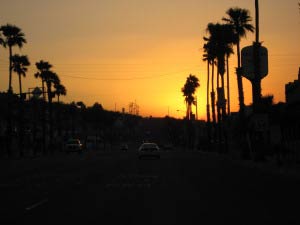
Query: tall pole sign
[(255, 62)]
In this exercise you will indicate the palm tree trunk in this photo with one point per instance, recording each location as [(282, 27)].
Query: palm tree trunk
[(43, 90), (240, 82), (44, 148), (21, 124), (20, 86), (218, 94), (223, 103), (50, 118), (228, 93), (218, 108), (10, 69), (213, 96), (207, 94), (207, 105)]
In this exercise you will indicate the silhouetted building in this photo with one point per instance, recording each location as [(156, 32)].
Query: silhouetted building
[(292, 91)]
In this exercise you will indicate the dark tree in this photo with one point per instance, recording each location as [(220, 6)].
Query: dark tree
[(13, 36), (59, 90), (240, 19), (188, 90), (19, 66), (42, 68)]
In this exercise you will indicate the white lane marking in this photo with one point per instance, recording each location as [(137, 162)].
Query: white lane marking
[(37, 204)]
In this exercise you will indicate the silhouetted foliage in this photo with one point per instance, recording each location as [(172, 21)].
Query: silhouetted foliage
[(42, 68), (240, 20), (188, 90), (13, 36), (19, 65), (59, 90)]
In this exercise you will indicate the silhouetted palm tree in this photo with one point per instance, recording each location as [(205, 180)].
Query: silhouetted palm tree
[(50, 78), (19, 66), (13, 36), (220, 43), (59, 90), (188, 91), (210, 49), (240, 20), (228, 82), (206, 58), (42, 67)]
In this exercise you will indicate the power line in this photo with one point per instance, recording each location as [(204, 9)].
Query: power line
[(123, 79)]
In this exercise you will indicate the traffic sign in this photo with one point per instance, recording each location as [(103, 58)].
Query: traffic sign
[(36, 92), (249, 65)]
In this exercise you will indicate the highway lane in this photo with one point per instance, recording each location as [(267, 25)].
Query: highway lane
[(180, 188)]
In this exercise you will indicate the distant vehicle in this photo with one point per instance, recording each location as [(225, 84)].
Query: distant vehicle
[(92, 142), (74, 145), (148, 149)]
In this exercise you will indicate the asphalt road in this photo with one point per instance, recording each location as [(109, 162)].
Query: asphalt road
[(117, 188)]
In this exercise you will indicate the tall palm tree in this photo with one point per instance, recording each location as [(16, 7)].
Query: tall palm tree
[(51, 79), (19, 66), (188, 90), (210, 48), (210, 60), (59, 90), (220, 41), (42, 67), (13, 36), (240, 20), (206, 58), (228, 83)]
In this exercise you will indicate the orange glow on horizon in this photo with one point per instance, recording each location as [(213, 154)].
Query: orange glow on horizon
[(114, 53)]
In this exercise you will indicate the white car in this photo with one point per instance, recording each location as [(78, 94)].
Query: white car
[(74, 145), (148, 149)]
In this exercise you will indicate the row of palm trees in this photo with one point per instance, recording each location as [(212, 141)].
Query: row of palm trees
[(217, 49), (11, 36)]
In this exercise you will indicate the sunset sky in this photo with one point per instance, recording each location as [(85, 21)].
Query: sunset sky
[(118, 51)]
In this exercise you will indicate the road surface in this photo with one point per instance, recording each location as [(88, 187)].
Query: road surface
[(118, 188)]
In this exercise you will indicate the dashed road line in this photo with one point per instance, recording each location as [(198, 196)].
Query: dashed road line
[(37, 204)]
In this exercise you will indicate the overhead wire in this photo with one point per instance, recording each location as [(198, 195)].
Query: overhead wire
[(125, 79)]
